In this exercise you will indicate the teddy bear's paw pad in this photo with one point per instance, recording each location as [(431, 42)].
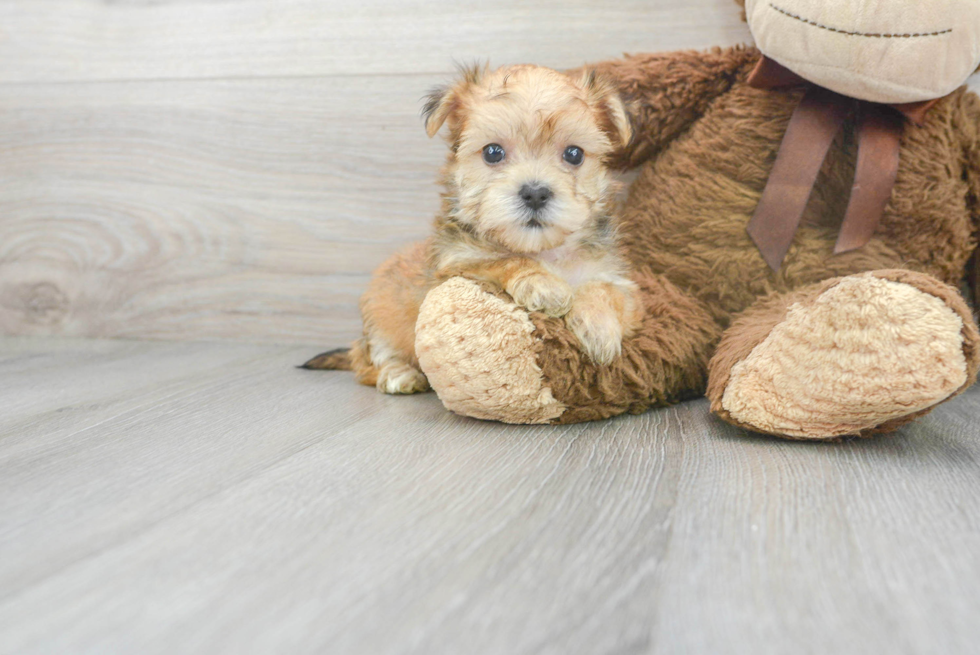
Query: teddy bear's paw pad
[(864, 352), (401, 378), (479, 354)]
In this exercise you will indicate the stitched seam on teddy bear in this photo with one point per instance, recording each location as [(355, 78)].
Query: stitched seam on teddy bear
[(868, 79), (867, 34)]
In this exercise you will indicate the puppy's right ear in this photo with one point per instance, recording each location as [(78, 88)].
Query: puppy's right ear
[(439, 104), (443, 101)]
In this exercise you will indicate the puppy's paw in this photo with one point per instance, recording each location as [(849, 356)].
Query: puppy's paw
[(542, 293), (401, 378), (600, 333)]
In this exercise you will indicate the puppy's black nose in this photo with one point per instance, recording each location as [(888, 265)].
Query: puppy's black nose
[(535, 196)]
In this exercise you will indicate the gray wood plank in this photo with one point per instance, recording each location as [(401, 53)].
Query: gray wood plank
[(80, 418), (251, 507), (74, 40)]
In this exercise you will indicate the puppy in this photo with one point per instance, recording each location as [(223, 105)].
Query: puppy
[(527, 206)]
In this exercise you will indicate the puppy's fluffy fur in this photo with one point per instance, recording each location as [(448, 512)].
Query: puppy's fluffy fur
[(528, 206)]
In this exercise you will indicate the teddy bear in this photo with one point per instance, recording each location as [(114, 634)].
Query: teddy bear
[(784, 330)]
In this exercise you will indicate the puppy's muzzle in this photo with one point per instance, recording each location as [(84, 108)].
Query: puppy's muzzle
[(535, 195)]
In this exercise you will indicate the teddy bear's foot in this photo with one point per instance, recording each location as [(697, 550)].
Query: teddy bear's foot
[(855, 355), (479, 354)]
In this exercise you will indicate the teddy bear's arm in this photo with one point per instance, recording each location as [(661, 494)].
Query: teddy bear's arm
[(666, 92)]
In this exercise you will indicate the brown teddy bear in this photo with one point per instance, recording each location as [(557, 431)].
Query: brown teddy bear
[(786, 330)]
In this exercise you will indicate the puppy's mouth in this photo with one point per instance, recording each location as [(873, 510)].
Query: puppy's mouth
[(534, 222), (537, 219)]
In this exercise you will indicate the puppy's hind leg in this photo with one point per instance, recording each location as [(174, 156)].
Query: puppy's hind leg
[(388, 369), (385, 355), (375, 364)]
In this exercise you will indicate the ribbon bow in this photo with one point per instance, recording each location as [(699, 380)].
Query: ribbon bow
[(812, 128)]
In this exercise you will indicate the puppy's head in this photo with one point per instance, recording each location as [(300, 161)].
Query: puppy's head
[(527, 169)]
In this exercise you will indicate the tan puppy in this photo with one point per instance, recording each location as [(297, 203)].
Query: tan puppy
[(527, 206)]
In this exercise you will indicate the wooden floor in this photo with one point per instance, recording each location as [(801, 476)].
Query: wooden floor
[(210, 498)]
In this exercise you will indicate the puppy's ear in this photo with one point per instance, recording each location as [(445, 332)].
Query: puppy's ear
[(618, 119), (439, 104), (605, 100), (442, 102)]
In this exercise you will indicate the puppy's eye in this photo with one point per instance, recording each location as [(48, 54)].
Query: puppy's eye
[(493, 153), (573, 155)]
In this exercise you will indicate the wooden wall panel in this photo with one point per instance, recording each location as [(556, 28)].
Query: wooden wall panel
[(244, 209), (188, 169), (58, 40)]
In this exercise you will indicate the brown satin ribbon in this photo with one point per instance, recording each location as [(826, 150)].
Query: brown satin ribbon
[(878, 134), (811, 130)]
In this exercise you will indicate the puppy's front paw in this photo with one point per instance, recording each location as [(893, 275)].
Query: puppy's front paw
[(542, 293), (599, 332)]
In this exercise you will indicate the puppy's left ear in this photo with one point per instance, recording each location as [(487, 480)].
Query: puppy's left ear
[(612, 115)]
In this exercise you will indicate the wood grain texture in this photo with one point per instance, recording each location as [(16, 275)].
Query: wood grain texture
[(73, 40), (202, 169), (238, 209), (209, 498)]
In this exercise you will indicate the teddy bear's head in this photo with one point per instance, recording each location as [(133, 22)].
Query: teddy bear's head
[(890, 51)]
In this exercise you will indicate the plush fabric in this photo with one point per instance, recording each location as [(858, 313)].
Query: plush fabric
[(890, 51), (845, 356), (705, 143), (664, 362), (479, 353)]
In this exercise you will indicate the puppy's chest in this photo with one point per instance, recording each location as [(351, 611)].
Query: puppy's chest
[(570, 265)]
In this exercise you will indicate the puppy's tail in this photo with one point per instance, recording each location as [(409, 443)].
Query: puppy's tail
[(332, 360)]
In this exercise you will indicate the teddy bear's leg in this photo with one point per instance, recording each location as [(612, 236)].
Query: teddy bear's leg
[(488, 358), (855, 355)]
